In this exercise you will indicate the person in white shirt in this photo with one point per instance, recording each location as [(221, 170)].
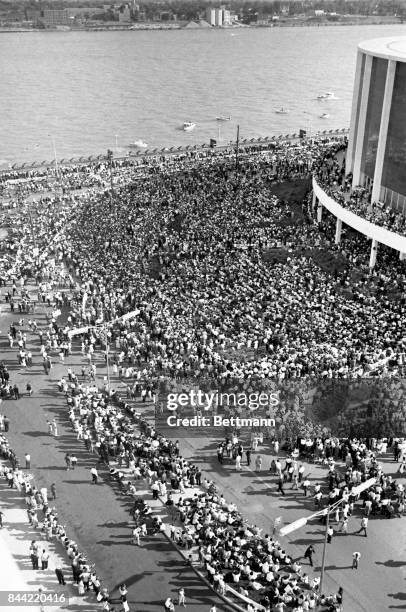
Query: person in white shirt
[(94, 475)]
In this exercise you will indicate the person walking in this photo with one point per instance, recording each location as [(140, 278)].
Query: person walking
[(181, 597), (238, 462), (123, 592), (68, 462), (27, 457), (248, 455), (330, 533), (258, 463), (1, 519), (55, 428), (6, 423), (364, 525), (280, 486), (44, 559), (306, 485), (356, 556), (59, 575), (94, 475), (136, 536), (309, 552), (53, 490), (168, 605), (34, 557)]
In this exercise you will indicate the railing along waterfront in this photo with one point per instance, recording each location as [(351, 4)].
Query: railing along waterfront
[(175, 151)]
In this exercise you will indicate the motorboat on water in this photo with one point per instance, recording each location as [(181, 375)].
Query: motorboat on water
[(221, 118), (282, 111), (138, 144), (324, 116), (188, 126), (328, 95)]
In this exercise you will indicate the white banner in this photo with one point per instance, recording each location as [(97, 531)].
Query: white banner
[(78, 331), (130, 315)]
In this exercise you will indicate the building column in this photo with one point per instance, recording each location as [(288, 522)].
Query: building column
[(319, 212), (402, 256), (351, 135), (383, 130), (359, 136), (339, 225), (372, 258)]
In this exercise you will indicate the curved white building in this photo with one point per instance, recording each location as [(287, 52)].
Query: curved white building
[(376, 152), (377, 141)]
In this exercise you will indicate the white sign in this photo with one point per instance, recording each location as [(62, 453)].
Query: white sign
[(293, 526), (78, 331)]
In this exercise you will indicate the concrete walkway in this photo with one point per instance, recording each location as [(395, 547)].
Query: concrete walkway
[(16, 569)]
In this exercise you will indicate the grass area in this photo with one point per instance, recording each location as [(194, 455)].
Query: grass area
[(326, 260), (292, 191)]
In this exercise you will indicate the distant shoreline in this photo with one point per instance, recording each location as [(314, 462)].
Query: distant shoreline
[(178, 26)]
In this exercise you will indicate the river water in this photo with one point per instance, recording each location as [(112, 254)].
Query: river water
[(79, 93)]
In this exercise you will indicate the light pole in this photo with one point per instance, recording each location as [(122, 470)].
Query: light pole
[(110, 162), (104, 329), (323, 560), (301, 522)]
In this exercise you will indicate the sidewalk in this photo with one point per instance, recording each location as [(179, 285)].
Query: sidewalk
[(16, 570)]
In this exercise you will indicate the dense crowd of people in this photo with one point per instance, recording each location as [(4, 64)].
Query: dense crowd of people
[(190, 268), (183, 244), (331, 176)]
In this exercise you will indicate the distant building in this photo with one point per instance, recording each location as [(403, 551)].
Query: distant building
[(226, 17), (319, 13), (211, 16), (55, 17), (124, 13), (33, 15), (219, 16), (85, 12)]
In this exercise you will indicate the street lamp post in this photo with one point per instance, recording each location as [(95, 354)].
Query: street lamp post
[(237, 148), (104, 328), (107, 359), (323, 561), (110, 161), (301, 522)]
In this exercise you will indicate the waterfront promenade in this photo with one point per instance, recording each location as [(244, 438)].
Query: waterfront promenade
[(138, 154)]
